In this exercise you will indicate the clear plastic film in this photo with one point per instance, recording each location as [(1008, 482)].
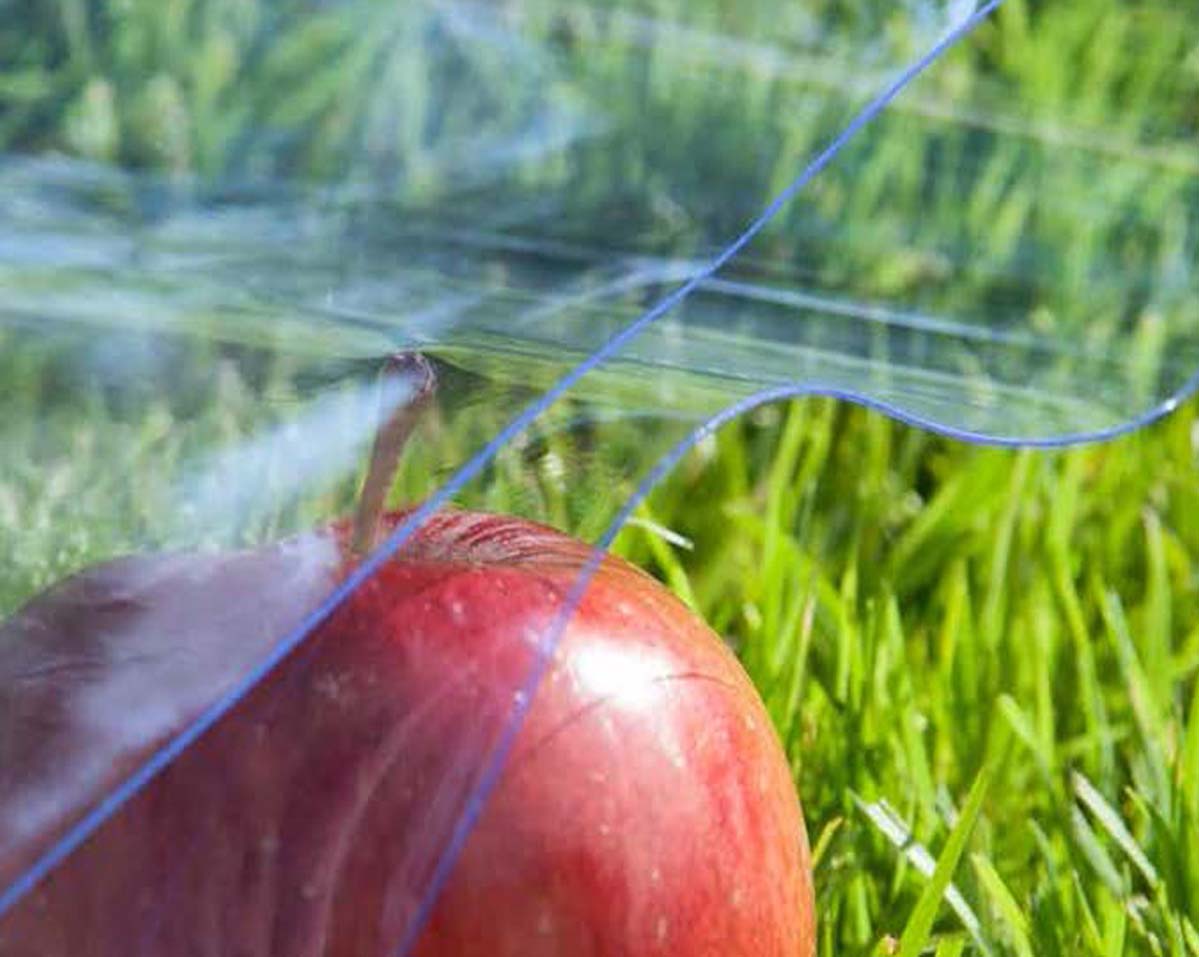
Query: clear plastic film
[(241, 707)]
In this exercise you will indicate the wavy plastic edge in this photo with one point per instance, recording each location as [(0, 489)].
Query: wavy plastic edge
[(496, 757)]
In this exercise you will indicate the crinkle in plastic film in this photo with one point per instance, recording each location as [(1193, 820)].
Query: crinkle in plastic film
[(541, 249)]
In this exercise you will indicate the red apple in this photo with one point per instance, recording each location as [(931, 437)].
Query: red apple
[(646, 807)]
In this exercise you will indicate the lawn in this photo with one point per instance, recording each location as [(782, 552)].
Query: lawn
[(982, 662)]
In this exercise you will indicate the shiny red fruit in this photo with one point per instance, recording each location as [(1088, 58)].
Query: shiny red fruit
[(646, 806)]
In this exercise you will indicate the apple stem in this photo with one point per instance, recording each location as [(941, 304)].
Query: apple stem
[(416, 381)]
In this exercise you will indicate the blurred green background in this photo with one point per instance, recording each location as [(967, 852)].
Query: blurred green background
[(982, 663)]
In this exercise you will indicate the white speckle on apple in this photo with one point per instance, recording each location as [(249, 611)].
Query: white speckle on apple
[(330, 686), (662, 929), (533, 635)]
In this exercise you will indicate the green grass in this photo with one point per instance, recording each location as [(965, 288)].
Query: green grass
[(919, 613), (983, 664)]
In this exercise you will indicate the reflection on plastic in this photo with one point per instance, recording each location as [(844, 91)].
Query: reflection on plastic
[(547, 221)]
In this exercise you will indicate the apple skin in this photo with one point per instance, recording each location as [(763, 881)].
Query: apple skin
[(646, 807)]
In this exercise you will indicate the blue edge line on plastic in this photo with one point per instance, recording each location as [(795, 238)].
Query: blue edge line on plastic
[(496, 758), (661, 469)]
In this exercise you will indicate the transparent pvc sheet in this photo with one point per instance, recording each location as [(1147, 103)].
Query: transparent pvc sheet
[(227, 728)]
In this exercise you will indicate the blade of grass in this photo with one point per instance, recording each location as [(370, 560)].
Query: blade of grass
[(1004, 903), (1112, 824), (895, 830), (662, 543), (919, 926)]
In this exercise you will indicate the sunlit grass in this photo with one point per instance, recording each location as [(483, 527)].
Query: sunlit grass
[(909, 607), (982, 663)]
